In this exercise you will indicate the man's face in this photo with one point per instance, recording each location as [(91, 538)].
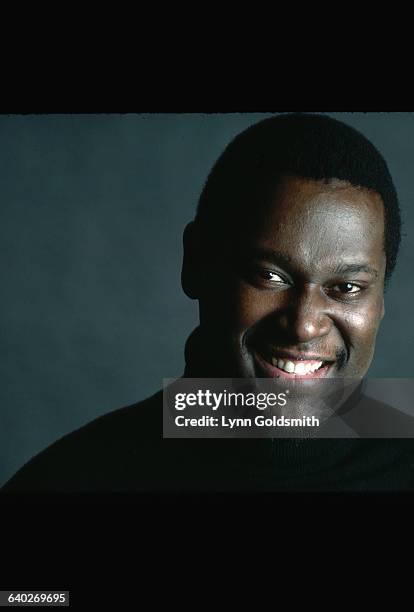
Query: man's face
[(301, 294)]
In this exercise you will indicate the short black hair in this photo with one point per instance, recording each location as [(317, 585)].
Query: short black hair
[(303, 144)]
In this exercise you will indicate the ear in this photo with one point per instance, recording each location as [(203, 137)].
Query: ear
[(191, 270)]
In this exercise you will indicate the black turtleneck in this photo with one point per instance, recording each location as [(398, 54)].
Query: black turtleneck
[(125, 451)]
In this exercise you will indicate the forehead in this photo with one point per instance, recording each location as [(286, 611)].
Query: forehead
[(318, 221)]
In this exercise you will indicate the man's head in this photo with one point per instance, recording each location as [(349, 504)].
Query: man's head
[(297, 230)]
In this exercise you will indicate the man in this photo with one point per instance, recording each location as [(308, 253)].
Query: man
[(296, 234)]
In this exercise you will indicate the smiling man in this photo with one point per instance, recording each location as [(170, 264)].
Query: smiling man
[(301, 292), (304, 221), (296, 234)]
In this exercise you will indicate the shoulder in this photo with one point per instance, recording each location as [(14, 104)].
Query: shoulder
[(94, 456), (372, 418)]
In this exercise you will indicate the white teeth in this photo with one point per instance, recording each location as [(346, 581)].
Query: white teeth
[(301, 368), (289, 366), (315, 366)]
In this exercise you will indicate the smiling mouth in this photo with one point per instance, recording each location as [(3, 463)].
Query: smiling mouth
[(276, 365)]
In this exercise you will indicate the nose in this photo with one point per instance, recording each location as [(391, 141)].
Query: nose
[(306, 316)]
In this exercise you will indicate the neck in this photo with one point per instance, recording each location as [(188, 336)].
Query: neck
[(198, 363)]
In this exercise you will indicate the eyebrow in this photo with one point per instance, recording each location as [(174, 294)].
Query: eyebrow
[(280, 258), (354, 269), (276, 257)]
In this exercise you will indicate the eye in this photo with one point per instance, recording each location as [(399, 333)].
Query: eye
[(270, 276), (268, 279), (347, 288)]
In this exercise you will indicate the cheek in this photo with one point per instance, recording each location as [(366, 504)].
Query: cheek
[(362, 327), (363, 324), (235, 308), (251, 306), (359, 323)]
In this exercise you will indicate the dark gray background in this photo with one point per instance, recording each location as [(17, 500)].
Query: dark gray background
[(92, 212)]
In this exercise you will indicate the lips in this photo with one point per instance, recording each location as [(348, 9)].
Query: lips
[(293, 365)]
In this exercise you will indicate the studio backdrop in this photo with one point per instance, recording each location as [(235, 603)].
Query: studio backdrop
[(93, 208)]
